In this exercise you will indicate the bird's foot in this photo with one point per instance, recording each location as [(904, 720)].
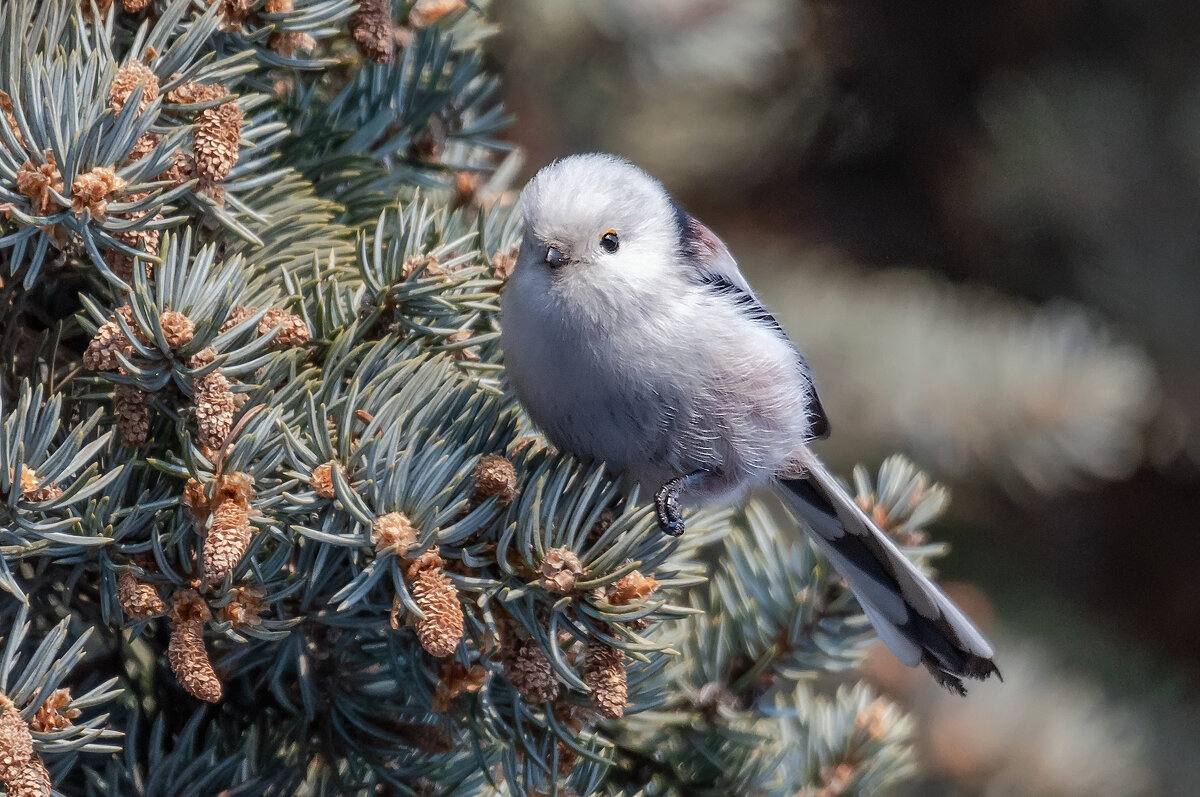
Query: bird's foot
[(667, 509)]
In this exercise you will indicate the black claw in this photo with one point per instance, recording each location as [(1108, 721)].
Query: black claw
[(666, 506)]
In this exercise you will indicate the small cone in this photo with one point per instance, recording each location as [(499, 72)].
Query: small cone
[(371, 28), (442, 627), (495, 476), (228, 537), (138, 599), (604, 673), (133, 414), (186, 652)]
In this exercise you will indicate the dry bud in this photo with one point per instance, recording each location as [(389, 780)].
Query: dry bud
[(394, 529), (371, 28), (245, 608), (456, 679), (571, 716), (138, 599), (430, 559), (36, 182), (532, 675), (228, 537), (426, 12), (146, 143), (178, 329), (466, 188), (427, 265), (215, 141), (233, 14), (602, 524), (495, 475), (192, 93), (128, 78), (32, 488), (215, 405), (290, 42), (322, 479), (604, 674), (876, 719), (133, 6), (560, 570), (237, 315), (837, 780), (463, 353), (442, 627), (6, 105), (292, 329), (186, 653), (394, 614), (195, 501), (93, 190), (132, 409), (181, 170), (50, 717), (503, 263), (144, 239), (632, 587), (235, 486), (201, 358)]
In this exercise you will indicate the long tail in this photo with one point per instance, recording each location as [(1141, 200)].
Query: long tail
[(914, 618)]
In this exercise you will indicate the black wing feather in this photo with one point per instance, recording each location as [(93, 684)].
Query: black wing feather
[(698, 244), (818, 420)]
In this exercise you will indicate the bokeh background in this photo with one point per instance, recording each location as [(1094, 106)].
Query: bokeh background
[(981, 221)]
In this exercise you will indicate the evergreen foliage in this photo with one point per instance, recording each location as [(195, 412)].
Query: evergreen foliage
[(256, 452)]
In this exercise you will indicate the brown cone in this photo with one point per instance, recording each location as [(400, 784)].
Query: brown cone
[(138, 599), (228, 537), (604, 673), (437, 597), (186, 652)]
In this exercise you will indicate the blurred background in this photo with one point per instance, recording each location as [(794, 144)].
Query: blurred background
[(981, 222)]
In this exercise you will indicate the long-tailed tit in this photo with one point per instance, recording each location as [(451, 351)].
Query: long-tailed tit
[(631, 338)]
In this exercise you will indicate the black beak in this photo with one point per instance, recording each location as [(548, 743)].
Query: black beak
[(555, 257)]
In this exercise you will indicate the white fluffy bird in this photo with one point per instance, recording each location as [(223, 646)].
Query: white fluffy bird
[(631, 338)]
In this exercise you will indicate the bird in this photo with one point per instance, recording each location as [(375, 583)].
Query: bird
[(631, 338)]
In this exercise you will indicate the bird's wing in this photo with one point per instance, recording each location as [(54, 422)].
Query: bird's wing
[(714, 267)]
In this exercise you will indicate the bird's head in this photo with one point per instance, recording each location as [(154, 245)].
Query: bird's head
[(599, 215)]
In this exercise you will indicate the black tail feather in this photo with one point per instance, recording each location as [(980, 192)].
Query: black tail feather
[(913, 617)]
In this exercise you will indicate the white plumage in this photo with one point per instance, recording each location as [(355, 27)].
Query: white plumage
[(631, 338)]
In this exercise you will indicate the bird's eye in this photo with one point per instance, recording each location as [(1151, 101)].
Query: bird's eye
[(609, 241)]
